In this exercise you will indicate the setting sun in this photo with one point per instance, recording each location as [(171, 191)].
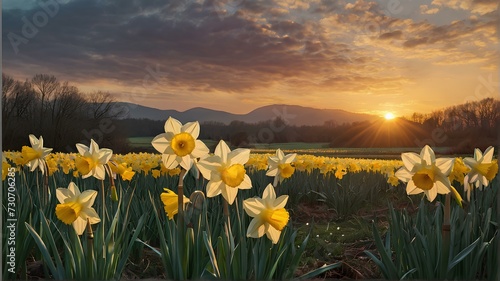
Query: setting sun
[(389, 116)]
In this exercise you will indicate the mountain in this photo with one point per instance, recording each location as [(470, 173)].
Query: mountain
[(291, 114)]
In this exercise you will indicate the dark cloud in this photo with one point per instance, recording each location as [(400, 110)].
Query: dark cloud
[(228, 46)]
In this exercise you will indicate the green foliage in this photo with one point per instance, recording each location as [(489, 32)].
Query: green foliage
[(415, 247)]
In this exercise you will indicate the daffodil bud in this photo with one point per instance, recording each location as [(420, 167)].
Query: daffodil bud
[(114, 195)]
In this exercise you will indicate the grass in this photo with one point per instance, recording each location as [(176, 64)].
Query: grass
[(317, 149)]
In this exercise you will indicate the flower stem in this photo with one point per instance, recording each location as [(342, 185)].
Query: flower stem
[(180, 223), (445, 232), (90, 250), (103, 220)]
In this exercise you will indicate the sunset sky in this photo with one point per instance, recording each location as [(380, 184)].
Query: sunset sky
[(381, 56)]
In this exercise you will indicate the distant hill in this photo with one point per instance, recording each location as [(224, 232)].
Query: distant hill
[(293, 115)]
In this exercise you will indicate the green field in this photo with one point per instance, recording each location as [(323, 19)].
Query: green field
[(318, 149)]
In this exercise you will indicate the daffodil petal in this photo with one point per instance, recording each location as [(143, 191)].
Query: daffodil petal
[(87, 197), (160, 143), (273, 234), (431, 194), (82, 148), (256, 229), (280, 202), (62, 194), (173, 125), (229, 194), (253, 206), (91, 214), (487, 155), (246, 183), (214, 188), (445, 165), (290, 158), (169, 160), (193, 128), (74, 189), (269, 193), (403, 174), (272, 171), (79, 225), (410, 159), (238, 156), (200, 149), (222, 150), (412, 189), (428, 155)]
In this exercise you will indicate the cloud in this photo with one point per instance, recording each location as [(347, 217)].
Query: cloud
[(239, 48), (424, 9)]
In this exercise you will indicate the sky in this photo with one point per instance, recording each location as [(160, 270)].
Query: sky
[(399, 56)]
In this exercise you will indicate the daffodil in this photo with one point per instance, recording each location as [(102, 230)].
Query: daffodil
[(170, 202), (424, 173), (75, 207), (179, 144), (269, 214), (5, 167), (125, 172), (280, 166), (34, 156), (482, 169), (92, 160), (225, 171)]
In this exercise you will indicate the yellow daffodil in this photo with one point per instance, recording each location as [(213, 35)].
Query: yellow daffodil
[(482, 169), (125, 172), (170, 201), (179, 144), (269, 214), (34, 156), (280, 166), (225, 171), (92, 160), (5, 167), (458, 172), (425, 173), (75, 207)]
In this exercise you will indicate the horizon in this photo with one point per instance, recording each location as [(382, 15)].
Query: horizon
[(366, 57)]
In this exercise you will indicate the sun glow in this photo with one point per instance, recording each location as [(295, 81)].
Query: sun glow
[(389, 116)]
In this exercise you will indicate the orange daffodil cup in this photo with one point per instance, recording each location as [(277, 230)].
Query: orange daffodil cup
[(179, 145), (424, 173), (226, 172)]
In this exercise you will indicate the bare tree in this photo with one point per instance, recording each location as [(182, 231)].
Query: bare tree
[(44, 86)]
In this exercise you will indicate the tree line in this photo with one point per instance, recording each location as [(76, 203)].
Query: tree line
[(461, 127), (59, 112), (482, 116), (64, 115)]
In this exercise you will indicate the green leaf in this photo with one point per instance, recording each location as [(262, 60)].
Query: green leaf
[(319, 271), (464, 253)]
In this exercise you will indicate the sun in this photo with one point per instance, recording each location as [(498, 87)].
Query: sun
[(389, 116)]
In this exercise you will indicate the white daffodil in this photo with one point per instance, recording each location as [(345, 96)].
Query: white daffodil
[(34, 156), (75, 207), (482, 169), (179, 144), (92, 160), (225, 171), (269, 214), (280, 166), (425, 173)]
